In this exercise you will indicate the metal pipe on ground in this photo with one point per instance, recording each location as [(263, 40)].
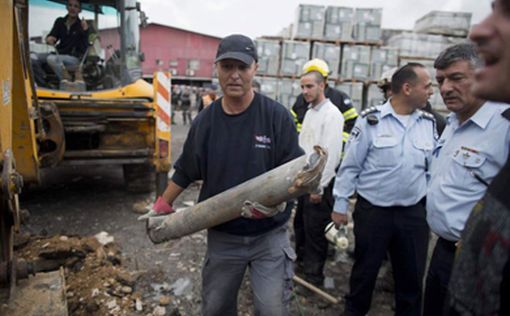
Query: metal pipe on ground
[(288, 181)]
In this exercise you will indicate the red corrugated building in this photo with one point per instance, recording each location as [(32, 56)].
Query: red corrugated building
[(188, 55)]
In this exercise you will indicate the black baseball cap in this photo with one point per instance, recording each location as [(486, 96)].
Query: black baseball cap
[(238, 47)]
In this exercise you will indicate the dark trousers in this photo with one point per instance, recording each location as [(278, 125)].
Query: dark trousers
[(37, 62), (310, 222), (186, 115), (438, 276), (403, 233)]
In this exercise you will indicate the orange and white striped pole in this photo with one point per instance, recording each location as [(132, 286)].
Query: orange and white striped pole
[(162, 98)]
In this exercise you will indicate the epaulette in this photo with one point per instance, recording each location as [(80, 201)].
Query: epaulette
[(427, 115), (506, 114), (368, 111)]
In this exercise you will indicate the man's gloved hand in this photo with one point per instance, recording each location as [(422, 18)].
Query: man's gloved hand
[(255, 210), (161, 207)]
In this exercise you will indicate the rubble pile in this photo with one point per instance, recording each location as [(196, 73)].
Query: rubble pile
[(96, 282)]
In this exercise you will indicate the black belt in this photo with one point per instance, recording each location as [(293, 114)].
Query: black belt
[(423, 202), (449, 245)]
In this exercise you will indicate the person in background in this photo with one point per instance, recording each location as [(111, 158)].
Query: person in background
[(175, 101), (386, 163), (480, 279), (69, 35), (469, 154), (185, 99), (323, 126), (337, 97), (209, 97), (384, 83)]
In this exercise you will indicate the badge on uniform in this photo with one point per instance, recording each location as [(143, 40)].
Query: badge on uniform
[(355, 132), (372, 120)]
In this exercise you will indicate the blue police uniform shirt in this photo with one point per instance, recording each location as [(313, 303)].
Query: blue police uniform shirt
[(387, 162), (466, 156)]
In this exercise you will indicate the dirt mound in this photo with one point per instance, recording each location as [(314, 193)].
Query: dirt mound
[(96, 282)]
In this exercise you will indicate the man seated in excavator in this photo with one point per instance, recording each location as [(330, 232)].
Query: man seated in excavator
[(70, 37)]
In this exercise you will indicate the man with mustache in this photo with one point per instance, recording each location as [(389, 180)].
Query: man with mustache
[(471, 151), (480, 280)]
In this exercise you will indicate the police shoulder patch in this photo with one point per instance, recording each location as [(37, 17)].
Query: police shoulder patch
[(355, 132), (427, 115), (506, 114), (368, 111)]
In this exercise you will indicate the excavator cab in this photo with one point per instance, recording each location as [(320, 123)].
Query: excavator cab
[(104, 113), (105, 64)]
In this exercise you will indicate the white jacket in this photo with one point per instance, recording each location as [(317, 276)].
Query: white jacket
[(323, 125)]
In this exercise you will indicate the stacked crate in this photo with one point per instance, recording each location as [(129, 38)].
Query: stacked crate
[(330, 53), (382, 59), (338, 23), (434, 32), (355, 62), (374, 96), (367, 24), (334, 35), (309, 21), (422, 45), (269, 56), (294, 55), (437, 101), (268, 86), (288, 91), (355, 91), (444, 23), (427, 62)]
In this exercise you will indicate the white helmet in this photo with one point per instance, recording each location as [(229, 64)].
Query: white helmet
[(386, 77)]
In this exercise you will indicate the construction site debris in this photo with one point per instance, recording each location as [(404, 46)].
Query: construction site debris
[(104, 239), (96, 283)]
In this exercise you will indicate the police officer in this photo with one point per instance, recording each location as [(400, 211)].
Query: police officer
[(386, 162), (469, 154), (480, 281), (337, 97), (385, 85)]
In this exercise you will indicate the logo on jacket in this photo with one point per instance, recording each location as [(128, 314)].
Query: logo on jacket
[(262, 141)]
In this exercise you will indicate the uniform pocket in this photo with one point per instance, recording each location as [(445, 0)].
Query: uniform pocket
[(387, 151), (422, 149), (467, 163), (468, 159)]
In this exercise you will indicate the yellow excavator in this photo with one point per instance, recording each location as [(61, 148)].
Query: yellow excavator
[(104, 115)]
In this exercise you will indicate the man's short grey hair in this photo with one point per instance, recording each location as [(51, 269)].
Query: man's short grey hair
[(458, 52)]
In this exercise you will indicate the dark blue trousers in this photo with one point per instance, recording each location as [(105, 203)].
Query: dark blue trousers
[(438, 276), (403, 233)]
